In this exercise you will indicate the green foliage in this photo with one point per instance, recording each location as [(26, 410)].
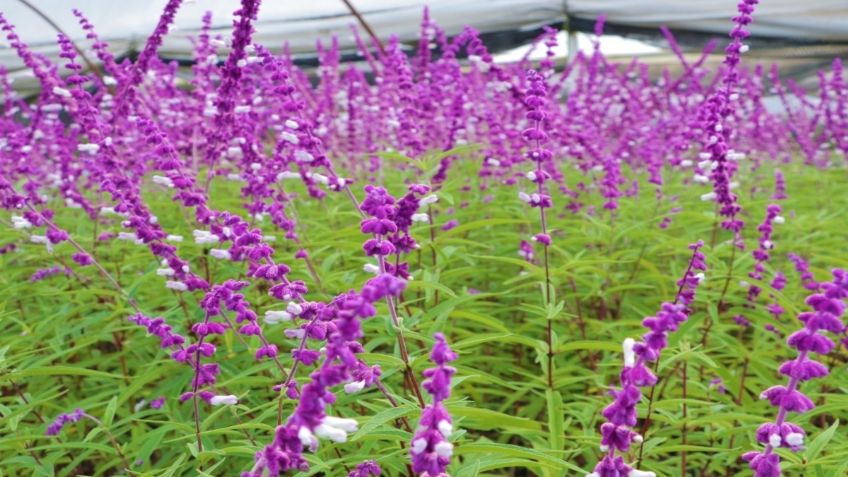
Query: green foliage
[(67, 343)]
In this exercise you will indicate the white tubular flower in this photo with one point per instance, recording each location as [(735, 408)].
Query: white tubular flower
[(444, 449), (336, 429), (165, 272), (307, 438), (629, 355), (419, 445), (20, 223), (700, 277), (287, 175), (371, 268), (61, 92), (291, 124), (524, 197), (241, 109), (708, 196), (289, 137), (139, 405), (531, 176), (795, 439), (420, 217), (775, 440), (686, 163), (446, 428), (430, 199), (268, 238), (706, 164), (640, 473), (354, 387), (174, 238), (175, 285), (128, 236), (163, 181), (89, 148), (294, 308), (220, 254), (303, 156), (779, 219), (493, 162), (39, 239), (700, 179), (223, 400), (204, 237), (273, 317), (704, 156), (320, 178)]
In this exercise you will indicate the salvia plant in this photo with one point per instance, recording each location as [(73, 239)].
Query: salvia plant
[(423, 263)]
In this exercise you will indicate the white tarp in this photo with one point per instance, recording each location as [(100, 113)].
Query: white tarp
[(825, 20), (125, 24)]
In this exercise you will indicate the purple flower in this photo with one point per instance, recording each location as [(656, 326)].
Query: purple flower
[(62, 419)]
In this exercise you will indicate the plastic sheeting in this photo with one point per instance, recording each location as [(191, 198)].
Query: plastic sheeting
[(799, 20), (125, 24)]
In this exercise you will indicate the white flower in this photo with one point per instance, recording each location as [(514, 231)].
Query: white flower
[(20, 223), (430, 199), (744, 49), (128, 236), (779, 219), (708, 196), (163, 181), (288, 175), (795, 439), (371, 268), (640, 473), (175, 285), (524, 197), (686, 163), (287, 136), (165, 272), (336, 429), (223, 400), (272, 317), (307, 438), (700, 179), (493, 162), (38, 239), (139, 405), (700, 277), (704, 156), (445, 427), (418, 445), (744, 284), (204, 237), (593, 474), (354, 387), (735, 156), (420, 217), (294, 308), (303, 156), (775, 440), (291, 124), (705, 164), (174, 238), (61, 92), (531, 176), (629, 355), (444, 449), (241, 109), (220, 254), (89, 148), (268, 238), (320, 178)]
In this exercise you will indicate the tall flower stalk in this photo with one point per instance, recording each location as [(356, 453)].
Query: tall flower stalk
[(828, 307)]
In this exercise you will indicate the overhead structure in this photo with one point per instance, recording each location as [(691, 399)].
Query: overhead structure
[(126, 24)]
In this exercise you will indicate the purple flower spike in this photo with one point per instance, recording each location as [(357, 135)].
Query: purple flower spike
[(828, 307), (430, 450)]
